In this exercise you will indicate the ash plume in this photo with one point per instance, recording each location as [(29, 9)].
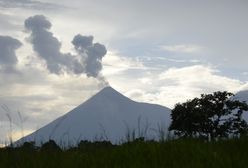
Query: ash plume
[(88, 59), (91, 54)]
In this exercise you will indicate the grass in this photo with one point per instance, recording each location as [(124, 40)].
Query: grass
[(186, 153)]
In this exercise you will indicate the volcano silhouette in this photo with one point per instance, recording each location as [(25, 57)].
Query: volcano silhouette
[(108, 115)]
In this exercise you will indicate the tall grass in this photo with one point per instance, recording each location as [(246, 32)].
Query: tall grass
[(186, 153)]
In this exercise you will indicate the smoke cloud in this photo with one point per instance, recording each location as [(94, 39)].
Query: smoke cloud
[(89, 55), (8, 46), (48, 47)]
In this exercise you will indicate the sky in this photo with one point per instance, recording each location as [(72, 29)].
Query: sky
[(54, 55)]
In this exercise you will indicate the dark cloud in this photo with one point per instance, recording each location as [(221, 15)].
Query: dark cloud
[(82, 42), (8, 46), (38, 22), (88, 60), (30, 4), (91, 54), (48, 47)]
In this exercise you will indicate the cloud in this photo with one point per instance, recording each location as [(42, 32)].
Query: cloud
[(114, 64), (244, 87), (245, 73), (29, 4), (179, 84), (89, 55), (7, 23), (48, 47), (189, 49), (174, 84), (8, 46), (200, 77)]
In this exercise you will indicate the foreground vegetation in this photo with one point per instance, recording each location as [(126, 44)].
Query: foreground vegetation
[(139, 153)]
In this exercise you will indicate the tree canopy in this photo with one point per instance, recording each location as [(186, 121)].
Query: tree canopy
[(212, 116)]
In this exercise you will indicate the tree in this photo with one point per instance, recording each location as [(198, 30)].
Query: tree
[(212, 116)]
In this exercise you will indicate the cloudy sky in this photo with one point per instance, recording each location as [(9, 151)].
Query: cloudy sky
[(56, 54)]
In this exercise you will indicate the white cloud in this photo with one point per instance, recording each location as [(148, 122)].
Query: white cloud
[(244, 87), (114, 64), (184, 83), (176, 84), (200, 76), (182, 48), (135, 93), (145, 80)]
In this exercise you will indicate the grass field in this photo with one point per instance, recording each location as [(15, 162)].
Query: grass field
[(183, 153)]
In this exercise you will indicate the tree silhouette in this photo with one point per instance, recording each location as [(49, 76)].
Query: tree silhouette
[(212, 116)]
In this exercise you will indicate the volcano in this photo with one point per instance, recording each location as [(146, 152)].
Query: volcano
[(108, 115)]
